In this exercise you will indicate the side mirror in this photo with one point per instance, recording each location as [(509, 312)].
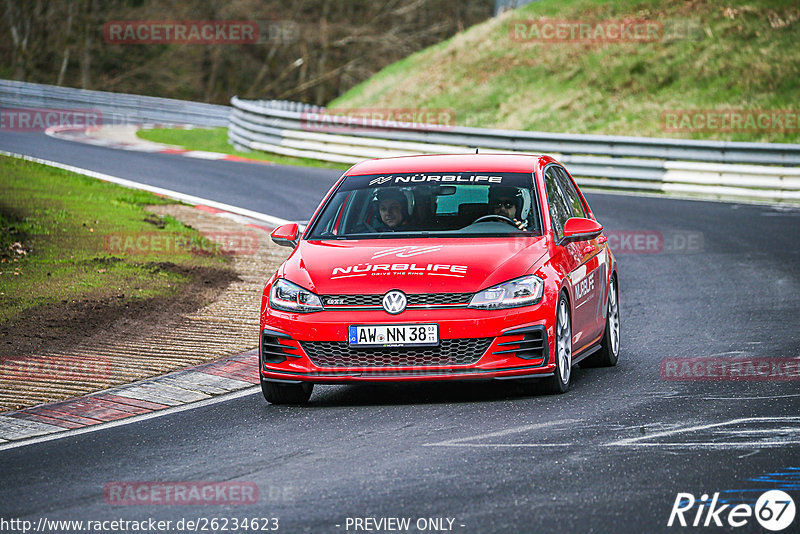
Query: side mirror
[(580, 229), (286, 235)]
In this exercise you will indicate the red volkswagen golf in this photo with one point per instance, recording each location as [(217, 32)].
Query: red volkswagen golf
[(447, 267)]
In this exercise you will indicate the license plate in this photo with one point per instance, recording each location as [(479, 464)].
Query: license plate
[(395, 335)]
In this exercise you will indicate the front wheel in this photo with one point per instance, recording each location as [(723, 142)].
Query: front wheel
[(281, 393), (559, 382), (608, 355)]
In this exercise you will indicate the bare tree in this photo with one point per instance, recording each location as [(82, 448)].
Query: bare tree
[(332, 45), (67, 44), (89, 30), (20, 16)]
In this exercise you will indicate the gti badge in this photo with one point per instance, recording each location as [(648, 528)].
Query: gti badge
[(394, 301)]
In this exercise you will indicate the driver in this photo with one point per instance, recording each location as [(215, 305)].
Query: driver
[(507, 202)]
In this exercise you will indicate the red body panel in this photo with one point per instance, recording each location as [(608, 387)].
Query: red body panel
[(425, 265)]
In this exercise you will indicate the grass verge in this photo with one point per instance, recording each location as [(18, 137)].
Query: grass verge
[(216, 140), (66, 238)]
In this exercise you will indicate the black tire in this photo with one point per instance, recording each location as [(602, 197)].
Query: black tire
[(280, 393), (608, 355), (559, 382)]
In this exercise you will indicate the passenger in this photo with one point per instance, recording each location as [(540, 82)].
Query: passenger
[(393, 210)]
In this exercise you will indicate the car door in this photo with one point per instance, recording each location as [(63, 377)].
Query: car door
[(566, 257), (579, 261), (592, 287)]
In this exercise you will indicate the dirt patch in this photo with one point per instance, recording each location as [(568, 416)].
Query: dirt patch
[(59, 327), (74, 348)]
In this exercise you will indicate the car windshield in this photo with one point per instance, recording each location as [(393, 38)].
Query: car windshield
[(454, 204)]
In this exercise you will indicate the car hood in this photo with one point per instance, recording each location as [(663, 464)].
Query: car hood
[(411, 265)]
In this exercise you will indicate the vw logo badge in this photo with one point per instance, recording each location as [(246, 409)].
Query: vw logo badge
[(394, 301)]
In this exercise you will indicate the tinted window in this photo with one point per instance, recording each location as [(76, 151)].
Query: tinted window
[(557, 200), (573, 199)]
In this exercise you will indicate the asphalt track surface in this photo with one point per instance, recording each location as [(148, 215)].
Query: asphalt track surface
[(610, 455), (282, 191)]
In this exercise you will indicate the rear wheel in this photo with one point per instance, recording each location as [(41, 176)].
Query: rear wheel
[(281, 393), (608, 355), (559, 382)]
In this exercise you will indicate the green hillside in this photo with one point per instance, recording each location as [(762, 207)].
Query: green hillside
[(704, 55)]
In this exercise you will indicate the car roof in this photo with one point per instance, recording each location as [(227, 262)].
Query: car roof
[(451, 163)]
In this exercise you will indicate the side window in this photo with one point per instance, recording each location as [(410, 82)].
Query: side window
[(572, 195), (356, 209), (559, 205)]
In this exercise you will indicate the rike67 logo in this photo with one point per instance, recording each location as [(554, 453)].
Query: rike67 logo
[(774, 510)]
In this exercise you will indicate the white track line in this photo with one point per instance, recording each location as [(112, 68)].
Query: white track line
[(189, 199), (459, 442), (639, 440), (129, 420)]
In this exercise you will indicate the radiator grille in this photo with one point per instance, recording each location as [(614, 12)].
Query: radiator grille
[(422, 299), (449, 352)]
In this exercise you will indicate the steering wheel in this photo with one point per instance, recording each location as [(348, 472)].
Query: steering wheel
[(369, 226), (501, 218)]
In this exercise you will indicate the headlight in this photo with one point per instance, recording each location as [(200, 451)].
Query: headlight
[(522, 291), (287, 296)]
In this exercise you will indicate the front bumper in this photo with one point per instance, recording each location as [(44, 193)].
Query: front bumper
[(508, 344)]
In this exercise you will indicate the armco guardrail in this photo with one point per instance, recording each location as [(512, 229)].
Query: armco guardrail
[(717, 168), (115, 108)]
